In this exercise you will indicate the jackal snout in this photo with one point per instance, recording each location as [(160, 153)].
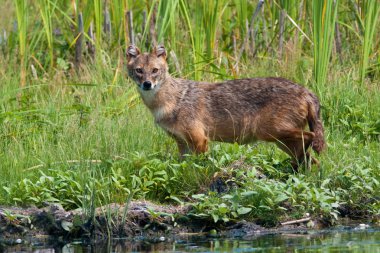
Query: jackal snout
[(148, 70), (147, 85)]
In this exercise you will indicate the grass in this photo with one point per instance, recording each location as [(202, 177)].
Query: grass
[(84, 139)]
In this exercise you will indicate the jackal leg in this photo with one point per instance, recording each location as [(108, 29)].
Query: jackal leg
[(296, 143), (182, 145), (197, 140)]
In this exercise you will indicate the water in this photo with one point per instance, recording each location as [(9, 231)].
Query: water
[(342, 240)]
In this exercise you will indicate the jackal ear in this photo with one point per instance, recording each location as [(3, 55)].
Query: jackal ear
[(160, 51), (132, 51)]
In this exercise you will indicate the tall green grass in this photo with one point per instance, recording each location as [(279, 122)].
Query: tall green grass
[(371, 11), (22, 26), (117, 10), (203, 32), (324, 14), (47, 13), (98, 13), (167, 11)]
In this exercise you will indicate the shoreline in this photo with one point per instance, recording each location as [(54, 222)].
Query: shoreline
[(143, 220)]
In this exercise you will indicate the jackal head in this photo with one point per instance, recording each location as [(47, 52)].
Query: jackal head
[(148, 70)]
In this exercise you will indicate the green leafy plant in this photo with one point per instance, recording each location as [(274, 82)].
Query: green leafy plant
[(155, 179), (225, 208)]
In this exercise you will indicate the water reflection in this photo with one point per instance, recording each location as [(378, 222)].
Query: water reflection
[(349, 240)]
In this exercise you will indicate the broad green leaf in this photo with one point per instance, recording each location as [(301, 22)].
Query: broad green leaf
[(244, 210)]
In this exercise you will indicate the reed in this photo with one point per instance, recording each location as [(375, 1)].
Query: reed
[(117, 15), (186, 17), (324, 14), (371, 10), (241, 8), (205, 33), (166, 27), (98, 17), (47, 13), (22, 23), (211, 11)]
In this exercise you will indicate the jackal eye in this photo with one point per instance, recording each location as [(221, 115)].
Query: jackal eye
[(139, 70), (155, 70)]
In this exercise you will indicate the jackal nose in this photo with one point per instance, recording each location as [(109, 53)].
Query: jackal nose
[(147, 85)]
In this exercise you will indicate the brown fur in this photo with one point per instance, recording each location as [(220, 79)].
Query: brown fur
[(269, 109)]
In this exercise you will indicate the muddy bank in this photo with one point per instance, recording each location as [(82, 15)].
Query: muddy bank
[(140, 220)]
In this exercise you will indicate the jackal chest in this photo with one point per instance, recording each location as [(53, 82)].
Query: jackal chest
[(172, 128)]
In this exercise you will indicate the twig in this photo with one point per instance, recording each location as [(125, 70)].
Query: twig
[(338, 39), (79, 41), (34, 72), (3, 37), (152, 25), (234, 46), (144, 26), (235, 69), (303, 220), (90, 44), (74, 5), (176, 62), (107, 22), (265, 34), (129, 16), (15, 27), (282, 28), (338, 42)]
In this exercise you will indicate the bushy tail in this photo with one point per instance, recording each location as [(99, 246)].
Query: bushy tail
[(315, 124)]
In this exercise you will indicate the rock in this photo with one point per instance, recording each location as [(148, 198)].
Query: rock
[(363, 226)]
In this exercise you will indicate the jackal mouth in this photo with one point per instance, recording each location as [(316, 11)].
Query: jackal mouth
[(143, 88)]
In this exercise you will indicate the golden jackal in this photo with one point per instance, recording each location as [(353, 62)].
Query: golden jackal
[(242, 111)]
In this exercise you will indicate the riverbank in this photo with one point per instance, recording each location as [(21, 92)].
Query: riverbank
[(140, 220)]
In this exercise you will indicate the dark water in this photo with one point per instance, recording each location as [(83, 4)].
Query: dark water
[(342, 240)]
